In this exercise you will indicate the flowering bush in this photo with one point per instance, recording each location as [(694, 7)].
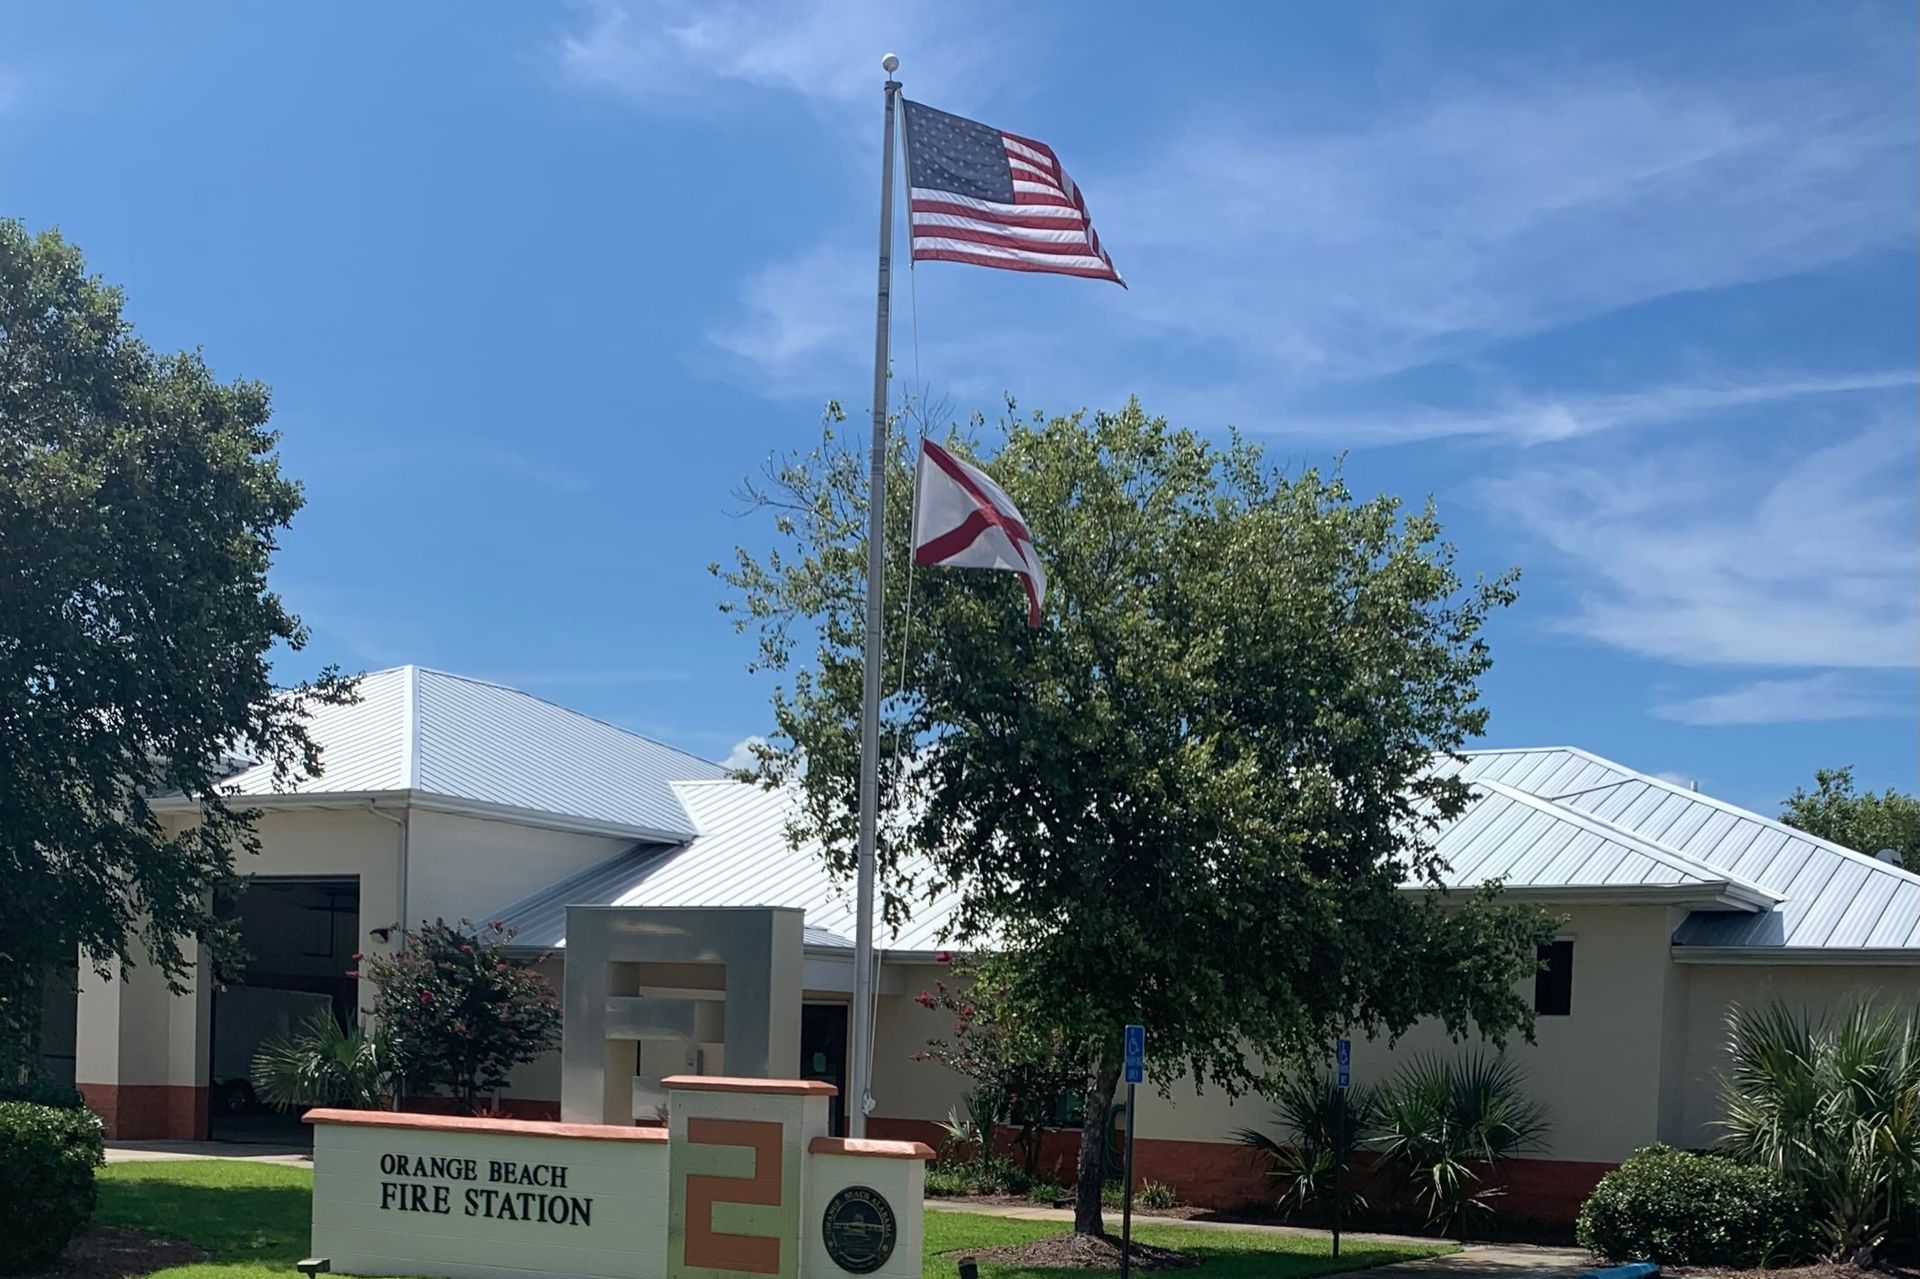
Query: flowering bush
[(1019, 1076), (459, 1012)]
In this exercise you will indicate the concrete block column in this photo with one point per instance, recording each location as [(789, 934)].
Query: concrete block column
[(140, 1052)]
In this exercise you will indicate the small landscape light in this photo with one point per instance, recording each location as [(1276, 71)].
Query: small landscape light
[(314, 1266)]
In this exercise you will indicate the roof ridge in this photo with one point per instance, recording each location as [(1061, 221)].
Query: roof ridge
[(578, 714), (410, 728), (1725, 806), (1672, 858)]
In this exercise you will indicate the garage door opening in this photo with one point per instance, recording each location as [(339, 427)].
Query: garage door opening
[(300, 936)]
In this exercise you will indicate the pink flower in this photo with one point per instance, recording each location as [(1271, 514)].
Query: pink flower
[(357, 957), (466, 950), (496, 924), (426, 997), (944, 957), (923, 999), (353, 972)]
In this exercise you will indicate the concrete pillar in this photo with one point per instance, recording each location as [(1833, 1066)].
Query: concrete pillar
[(140, 1052)]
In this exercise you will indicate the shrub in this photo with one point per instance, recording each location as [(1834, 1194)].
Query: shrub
[(460, 1012), (47, 1158), (1834, 1106), (323, 1064), (44, 1092), (1156, 1194), (969, 1177), (1442, 1123), (1683, 1209), (1320, 1133)]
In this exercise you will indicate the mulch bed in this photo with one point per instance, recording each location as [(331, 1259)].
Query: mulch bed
[(111, 1252), (1081, 1252)]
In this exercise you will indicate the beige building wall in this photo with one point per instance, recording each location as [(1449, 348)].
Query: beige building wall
[(902, 1087), (1812, 990), (463, 867), (141, 1053), (1598, 1070)]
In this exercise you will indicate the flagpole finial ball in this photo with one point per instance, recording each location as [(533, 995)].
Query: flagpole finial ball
[(890, 64)]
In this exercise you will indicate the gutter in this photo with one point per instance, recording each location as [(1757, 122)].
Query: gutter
[(480, 809), (1801, 956), (1717, 895)]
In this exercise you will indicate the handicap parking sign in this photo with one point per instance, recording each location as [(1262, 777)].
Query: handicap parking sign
[(1344, 1057), (1136, 1052)]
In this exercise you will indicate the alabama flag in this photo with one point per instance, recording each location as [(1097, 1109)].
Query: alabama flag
[(963, 520)]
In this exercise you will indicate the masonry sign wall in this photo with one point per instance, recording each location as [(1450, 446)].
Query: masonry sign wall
[(743, 1182)]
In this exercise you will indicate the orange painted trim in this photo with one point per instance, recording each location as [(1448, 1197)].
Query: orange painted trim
[(473, 1123), (772, 1087), (869, 1148)]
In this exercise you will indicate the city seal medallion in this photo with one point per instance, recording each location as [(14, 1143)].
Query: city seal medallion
[(859, 1230)]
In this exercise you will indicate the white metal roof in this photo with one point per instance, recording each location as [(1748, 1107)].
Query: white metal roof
[(482, 747), (741, 857), (1834, 899), (1532, 844)]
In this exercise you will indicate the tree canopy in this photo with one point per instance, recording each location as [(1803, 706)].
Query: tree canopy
[(1193, 796), (140, 503), (1861, 820)]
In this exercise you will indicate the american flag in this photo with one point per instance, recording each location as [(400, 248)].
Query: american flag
[(996, 199)]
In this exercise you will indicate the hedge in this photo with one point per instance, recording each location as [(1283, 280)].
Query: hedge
[(47, 1158), (1684, 1209)]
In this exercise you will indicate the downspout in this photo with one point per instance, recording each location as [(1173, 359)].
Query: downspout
[(400, 868), (399, 935)]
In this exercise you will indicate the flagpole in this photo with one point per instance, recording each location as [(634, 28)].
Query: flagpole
[(860, 1094)]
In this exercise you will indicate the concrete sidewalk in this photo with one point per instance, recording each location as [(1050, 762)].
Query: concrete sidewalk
[(120, 1152), (1474, 1261)]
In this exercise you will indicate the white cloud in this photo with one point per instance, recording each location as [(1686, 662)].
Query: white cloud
[(1723, 556), (825, 51), (1494, 212), (801, 316), (1552, 419), (537, 470), (1828, 695), (741, 756), (1289, 259)]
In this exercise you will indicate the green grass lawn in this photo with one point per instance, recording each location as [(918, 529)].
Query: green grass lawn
[(253, 1218)]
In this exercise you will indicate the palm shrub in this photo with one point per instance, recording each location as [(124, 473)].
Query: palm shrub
[(1834, 1106), (1444, 1125), (324, 1064), (1314, 1141)]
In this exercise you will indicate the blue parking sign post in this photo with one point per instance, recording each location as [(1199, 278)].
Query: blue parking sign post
[(1134, 1050), (1343, 1077)]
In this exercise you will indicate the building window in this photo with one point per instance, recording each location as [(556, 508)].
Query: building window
[(1553, 984)]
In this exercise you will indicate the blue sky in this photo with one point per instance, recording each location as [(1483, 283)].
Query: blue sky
[(1629, 289)]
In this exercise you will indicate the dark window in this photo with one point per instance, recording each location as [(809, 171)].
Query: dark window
[(1553, 985)]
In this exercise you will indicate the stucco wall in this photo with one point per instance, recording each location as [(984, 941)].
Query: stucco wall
[(464, 867), (1713, 990), (902, 1087), (1597, 1071)]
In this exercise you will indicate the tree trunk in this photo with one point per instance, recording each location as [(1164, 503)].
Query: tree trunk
[(1090, 1177)]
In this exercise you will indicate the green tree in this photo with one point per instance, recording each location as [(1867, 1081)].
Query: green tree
[(1860, 820), (1192, 796), (458, 1012), (140, 503)]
